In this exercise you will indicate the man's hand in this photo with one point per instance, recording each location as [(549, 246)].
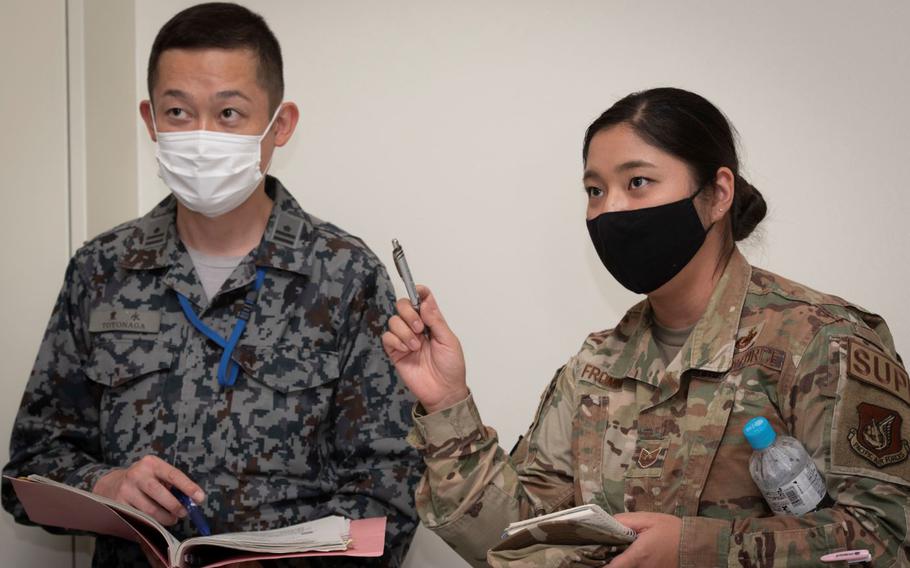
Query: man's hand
[(657, 545), (146, 485)]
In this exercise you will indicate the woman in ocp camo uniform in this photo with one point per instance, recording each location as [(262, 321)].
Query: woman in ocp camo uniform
[(646, 420)]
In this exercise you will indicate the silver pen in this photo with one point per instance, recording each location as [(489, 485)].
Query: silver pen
[(401, 264)]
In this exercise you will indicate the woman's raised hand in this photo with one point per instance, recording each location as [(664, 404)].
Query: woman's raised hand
[(432, 368)]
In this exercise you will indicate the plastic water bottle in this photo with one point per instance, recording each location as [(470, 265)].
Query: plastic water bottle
[(783, 470)]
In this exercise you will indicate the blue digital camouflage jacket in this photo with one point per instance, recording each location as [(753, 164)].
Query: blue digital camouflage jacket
[(315, 424)]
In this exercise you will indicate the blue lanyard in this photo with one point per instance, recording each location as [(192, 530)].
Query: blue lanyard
[(227, 368)]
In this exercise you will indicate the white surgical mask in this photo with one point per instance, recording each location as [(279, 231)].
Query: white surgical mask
[(210, 172)]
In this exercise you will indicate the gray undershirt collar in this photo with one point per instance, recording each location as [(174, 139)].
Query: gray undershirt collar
[(212, 270), (668, 340)]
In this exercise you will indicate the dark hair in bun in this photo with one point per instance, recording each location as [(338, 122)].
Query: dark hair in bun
[(689, 127)]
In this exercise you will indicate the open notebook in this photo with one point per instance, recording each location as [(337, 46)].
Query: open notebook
[(54, 504)]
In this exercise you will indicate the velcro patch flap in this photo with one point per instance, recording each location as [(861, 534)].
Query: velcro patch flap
[(871, 433)]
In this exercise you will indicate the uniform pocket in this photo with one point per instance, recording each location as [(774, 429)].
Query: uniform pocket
[(278, 417), (134, 374), (780, 548), (603, 437), (286, 368), (114, 363)]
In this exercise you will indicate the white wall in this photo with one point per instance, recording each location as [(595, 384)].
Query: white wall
[(457, 127), (68, 154), (33, 224), (111, 105)]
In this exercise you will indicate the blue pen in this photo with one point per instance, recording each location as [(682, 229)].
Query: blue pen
[(194, 512)]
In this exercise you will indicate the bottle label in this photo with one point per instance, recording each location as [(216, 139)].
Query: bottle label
[(799, 496)]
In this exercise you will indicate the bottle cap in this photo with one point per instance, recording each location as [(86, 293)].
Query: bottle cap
[(759, 433)]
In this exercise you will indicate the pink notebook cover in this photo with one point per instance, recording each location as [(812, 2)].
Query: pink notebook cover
[(53, 506)]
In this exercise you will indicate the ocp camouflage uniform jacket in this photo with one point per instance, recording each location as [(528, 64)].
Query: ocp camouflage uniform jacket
[(618, 428), (315, 424)]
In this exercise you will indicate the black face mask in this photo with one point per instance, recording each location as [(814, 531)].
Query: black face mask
[(645, 248)]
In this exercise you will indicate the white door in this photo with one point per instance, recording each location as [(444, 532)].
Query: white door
[(34, 224)]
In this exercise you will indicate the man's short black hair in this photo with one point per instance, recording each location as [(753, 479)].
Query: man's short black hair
[(222, 25)]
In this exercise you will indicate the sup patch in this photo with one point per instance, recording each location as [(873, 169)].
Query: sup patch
[(877, 369)]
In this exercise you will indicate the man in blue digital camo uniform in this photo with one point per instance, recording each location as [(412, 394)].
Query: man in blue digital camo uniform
[(226, 343)]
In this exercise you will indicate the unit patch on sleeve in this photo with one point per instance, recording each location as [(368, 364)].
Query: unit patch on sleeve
[(877, 437), (870, 427)]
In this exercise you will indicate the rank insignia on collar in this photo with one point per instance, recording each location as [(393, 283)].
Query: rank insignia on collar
[(154, 238), (286, 230), (877, 436)]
